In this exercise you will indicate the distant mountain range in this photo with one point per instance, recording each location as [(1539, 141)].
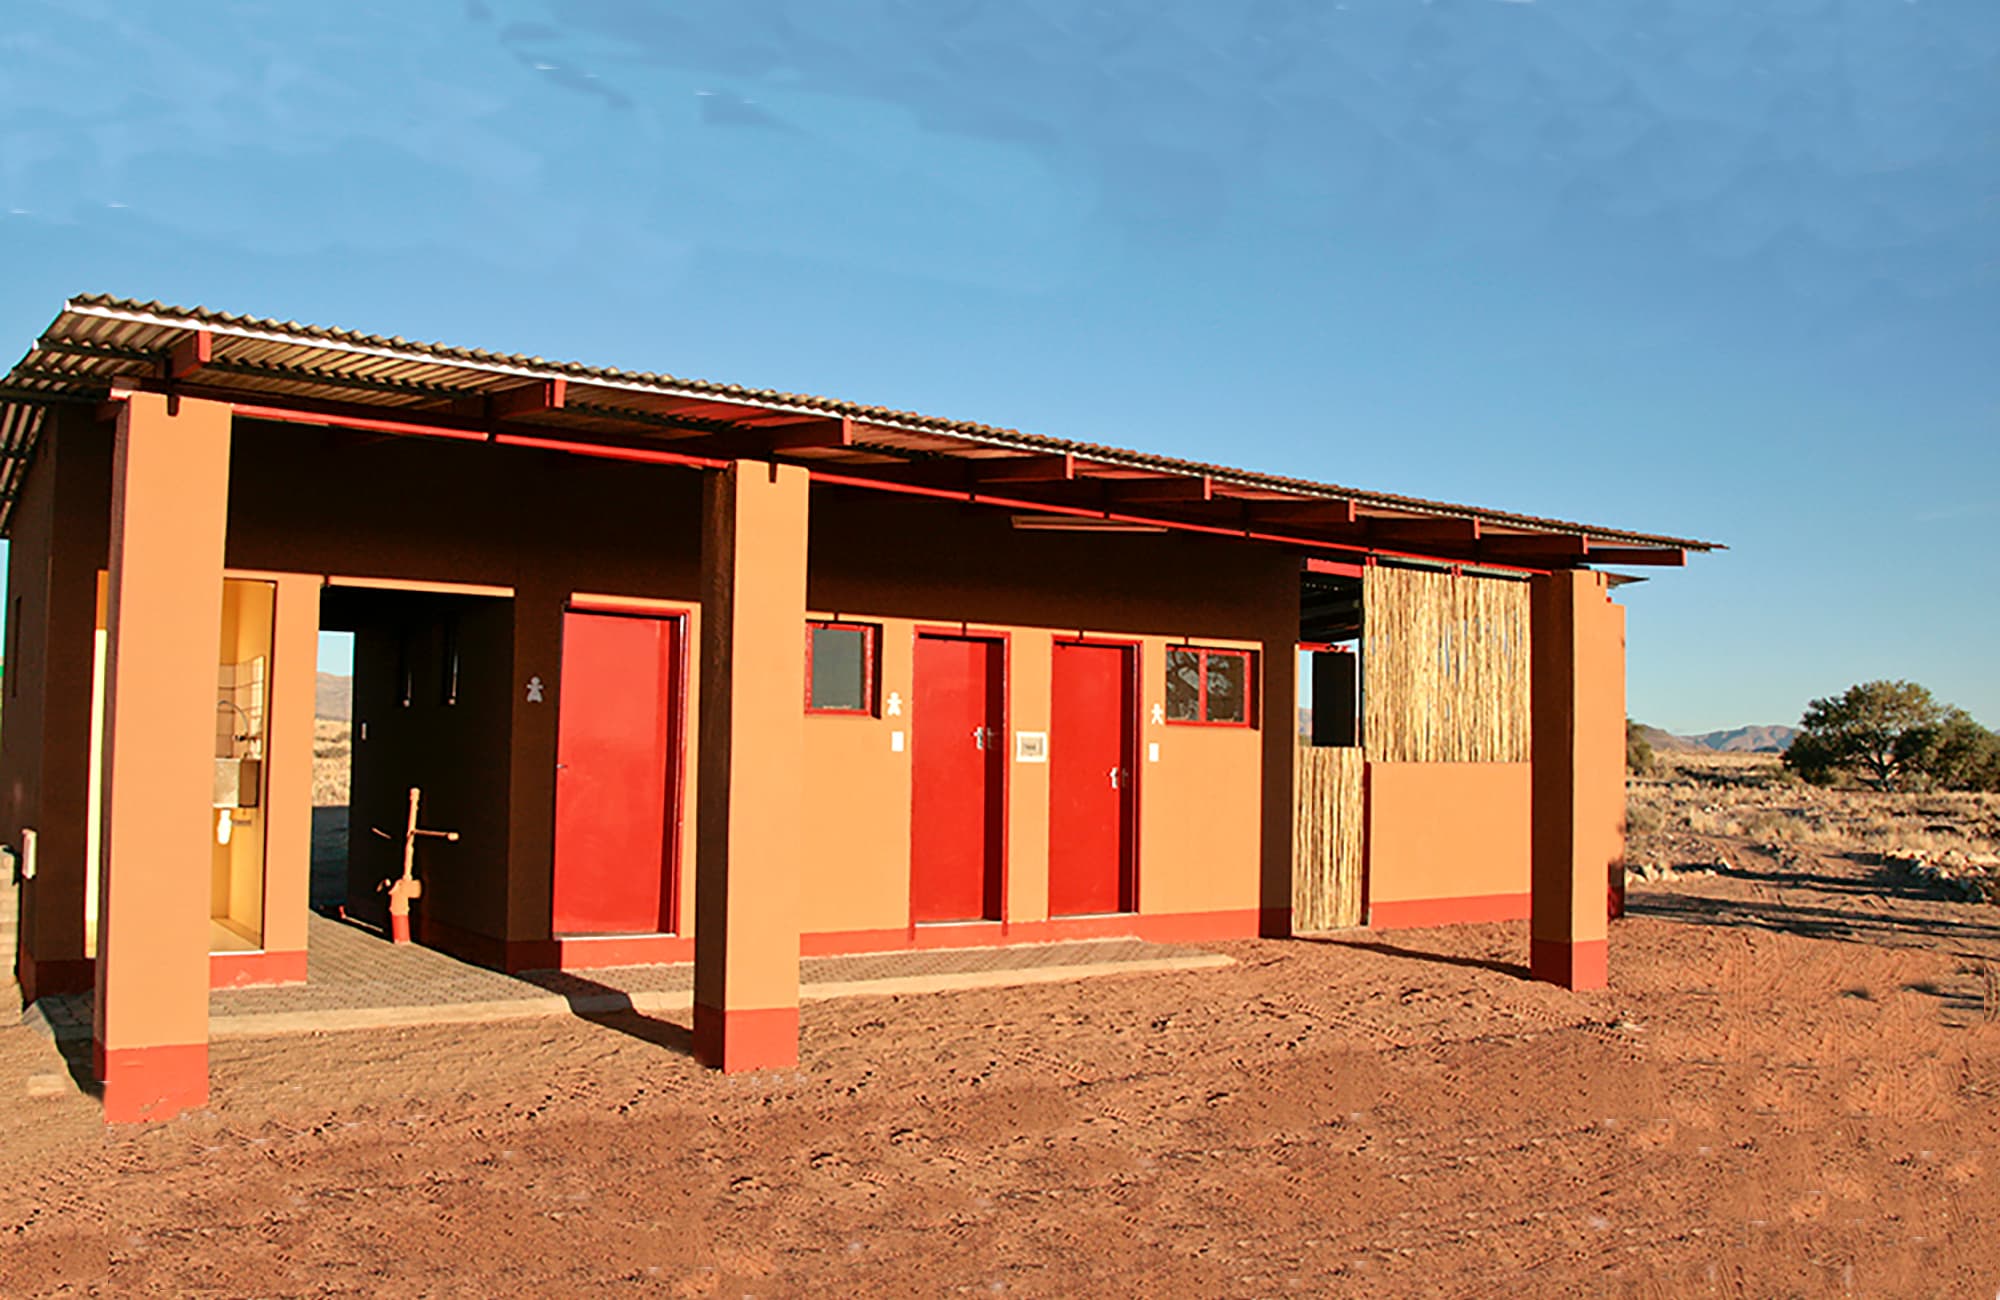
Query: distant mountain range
[(1736, 740), (334, 698)]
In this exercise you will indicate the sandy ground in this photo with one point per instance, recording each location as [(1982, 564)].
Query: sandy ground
[(1794, 1089)]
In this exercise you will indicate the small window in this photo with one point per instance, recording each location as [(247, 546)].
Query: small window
[(840, 667), (1211, 686)]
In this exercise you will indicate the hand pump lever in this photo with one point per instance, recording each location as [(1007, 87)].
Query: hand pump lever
[(407, 886)]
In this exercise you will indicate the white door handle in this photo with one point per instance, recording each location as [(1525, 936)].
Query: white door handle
[(1114, 778), (979, 737)]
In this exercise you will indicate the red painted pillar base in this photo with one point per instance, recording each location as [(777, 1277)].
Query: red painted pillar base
[(1581, 966), (149, 1084), (736, 1041)]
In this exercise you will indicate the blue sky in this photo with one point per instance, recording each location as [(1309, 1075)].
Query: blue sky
[(1712, 267)]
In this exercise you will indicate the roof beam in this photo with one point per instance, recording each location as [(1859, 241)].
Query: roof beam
[(812, 433), (1332, 511), (1441, 531), (720, 410), (1170, 487), (529, 399), (1026, 469), (190, 354), (1673, 557), (1541, 547)]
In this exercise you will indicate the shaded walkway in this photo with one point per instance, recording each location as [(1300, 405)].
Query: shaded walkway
[(355, 980)]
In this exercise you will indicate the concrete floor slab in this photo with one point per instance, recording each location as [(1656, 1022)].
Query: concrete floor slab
[(356, 980)]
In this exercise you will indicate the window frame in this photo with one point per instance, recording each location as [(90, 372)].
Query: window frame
[(1250, 688), (871, 638)]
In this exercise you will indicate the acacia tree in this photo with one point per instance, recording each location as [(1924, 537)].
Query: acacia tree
[(1962, 755), (1883, 731)]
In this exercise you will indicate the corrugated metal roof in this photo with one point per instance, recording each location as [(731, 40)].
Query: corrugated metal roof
[(100, 340)]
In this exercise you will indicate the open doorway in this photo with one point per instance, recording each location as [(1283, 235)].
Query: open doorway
[(1329, 676), (430, 711), (333, 753)]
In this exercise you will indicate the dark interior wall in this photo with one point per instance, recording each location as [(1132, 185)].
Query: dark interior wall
[(902, 556), (328, 501), (314, 500)]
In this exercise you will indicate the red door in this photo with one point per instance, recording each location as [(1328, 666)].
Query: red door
[(957, 739), (617, 769), (1091, 732)]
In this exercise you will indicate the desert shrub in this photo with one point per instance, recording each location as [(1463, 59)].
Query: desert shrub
[(1768, 824), (1962, 755), (1639, 757), (1893, 736)]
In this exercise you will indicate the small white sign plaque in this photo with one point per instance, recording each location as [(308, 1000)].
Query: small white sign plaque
[(1031, 747)]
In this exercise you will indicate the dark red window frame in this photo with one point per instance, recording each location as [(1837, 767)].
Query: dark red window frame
[(1203, 653), (871, 636)]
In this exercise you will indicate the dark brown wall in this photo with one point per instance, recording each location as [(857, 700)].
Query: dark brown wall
[(324, 501), (915, 558), (60, 538)]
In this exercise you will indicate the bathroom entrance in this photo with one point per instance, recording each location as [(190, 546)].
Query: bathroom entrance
[(429, 709)]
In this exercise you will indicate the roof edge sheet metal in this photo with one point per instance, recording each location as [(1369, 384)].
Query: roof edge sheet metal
[(82, 317)]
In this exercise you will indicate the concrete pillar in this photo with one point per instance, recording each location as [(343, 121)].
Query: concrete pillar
[(169, 510), (289, 776), (1577, 684), (751, 757), (1279, 705), (60, 526)]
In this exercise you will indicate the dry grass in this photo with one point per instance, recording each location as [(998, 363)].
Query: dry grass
[(1445, 668), (1751, 797), (1326, 839), (330, 763)]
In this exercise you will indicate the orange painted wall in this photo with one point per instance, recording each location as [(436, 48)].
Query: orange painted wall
[(307, 503), (855, 803), (288, 836), (1447, 831), (236, 881), (1199, 806), (902, 564)]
